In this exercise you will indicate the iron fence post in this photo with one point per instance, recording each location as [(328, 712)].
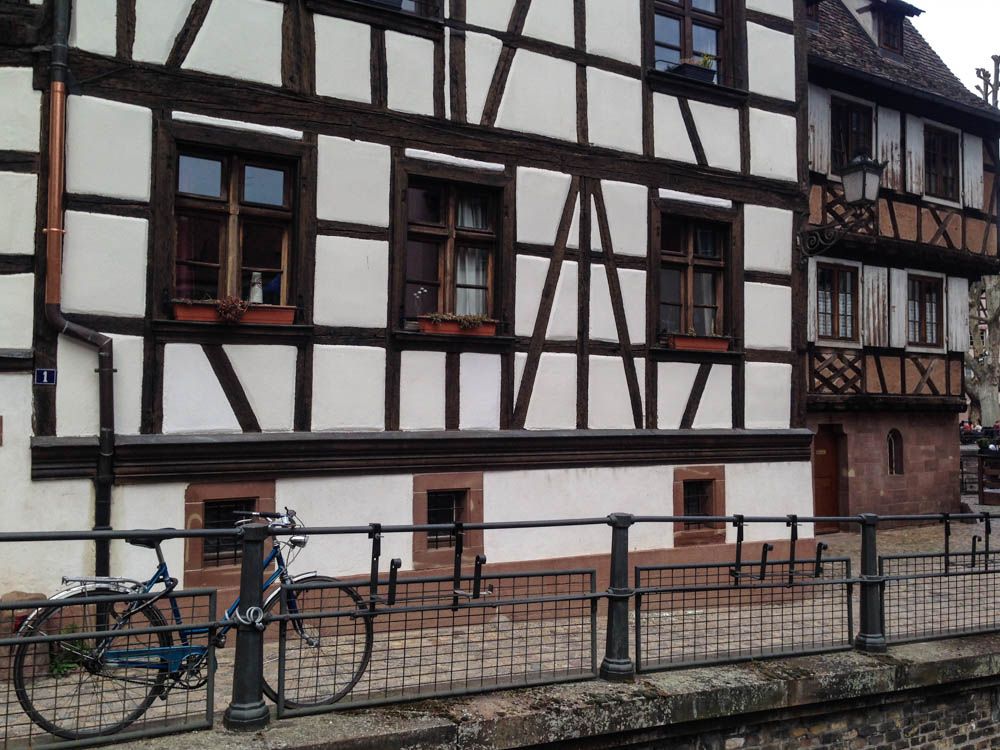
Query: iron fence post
[(247, 710), (617, 663), (872, 635)]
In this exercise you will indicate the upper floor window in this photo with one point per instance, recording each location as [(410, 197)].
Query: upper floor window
[(836, 302), (941, 163), (692, 277), (423, 8), (451, 249), (890, 35), (850, 131), (923, 311), (234, 217), (690, 32)]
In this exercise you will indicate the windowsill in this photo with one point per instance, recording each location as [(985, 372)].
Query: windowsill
[(486, 342), (924, 349), (696, 537), (691, 343), (942, 201), (665, 82), (659, 351), (189, 311), (839, 343), (166, 329)]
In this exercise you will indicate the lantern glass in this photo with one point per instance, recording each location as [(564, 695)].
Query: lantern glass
[(854, 185), (862, 179), (873, 181)]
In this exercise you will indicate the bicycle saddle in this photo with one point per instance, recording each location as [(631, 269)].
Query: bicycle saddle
[(149, 542)]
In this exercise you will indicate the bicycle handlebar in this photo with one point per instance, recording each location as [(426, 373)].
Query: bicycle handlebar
[(259, 514)]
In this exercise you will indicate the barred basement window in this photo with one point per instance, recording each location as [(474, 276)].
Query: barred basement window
[(219, 514), (444, 507), (697, 501)]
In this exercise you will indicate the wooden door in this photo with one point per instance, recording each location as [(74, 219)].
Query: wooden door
[(826, 477)]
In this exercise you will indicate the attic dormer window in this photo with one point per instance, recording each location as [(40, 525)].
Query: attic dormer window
[(891, 32)]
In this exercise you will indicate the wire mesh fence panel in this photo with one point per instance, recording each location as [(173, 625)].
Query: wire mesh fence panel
[(938, 595), (97, 667), (524, 629), (710, 613)]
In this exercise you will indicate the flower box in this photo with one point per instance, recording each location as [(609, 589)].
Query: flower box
[(454, 327), (208, 312), (697, 72), (699, 343)]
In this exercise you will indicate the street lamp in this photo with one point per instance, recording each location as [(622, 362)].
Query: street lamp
[(862, 180)]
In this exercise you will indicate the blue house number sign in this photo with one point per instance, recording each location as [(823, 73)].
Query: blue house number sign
[(45, 376)]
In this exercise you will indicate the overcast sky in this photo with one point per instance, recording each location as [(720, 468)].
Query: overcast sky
[(964, 32)]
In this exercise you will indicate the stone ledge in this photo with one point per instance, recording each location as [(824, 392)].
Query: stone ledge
[(659, 703)]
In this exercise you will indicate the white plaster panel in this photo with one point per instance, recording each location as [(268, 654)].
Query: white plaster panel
[(26, 505), (17, 305), (562, 320), (148, 506), (633, 285), (410, 73), (541, 198), (193, 400), (602, 316), (782, 8), (614, 111), (958, 314), (343, 58), (768, 395), (769, 489), (674, 381), (551, 20), (715, 410), (670, 137), (553, 399), (767, 244), (109, 148), (93, 26), (240, 39), (351, 282), (479, 391), (17, 212), (771, 60), (531, 272), (77, 406), (422, 390), (573, 240), (768, 316), (157, 23), (540, 96), (614, 30), (627, 205), (348, 388), (972, 173), (104, 264), (350, 501), (481, 54), (21, 114), (491, 14), (267, 374), (609, 403), (574, 493), (353, 183), (719, 131), (772, 145)]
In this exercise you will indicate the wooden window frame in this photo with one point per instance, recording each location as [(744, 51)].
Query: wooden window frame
[(942, 146), (837, 269), (723, 22), (888, 22), (196, 496), (429, 9), (841, 115), (894, 453), (689, 263), (923, 283), (709, 533), (471, 483)]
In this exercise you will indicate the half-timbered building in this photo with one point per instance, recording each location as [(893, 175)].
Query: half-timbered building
[(888, 304), (397, 260)]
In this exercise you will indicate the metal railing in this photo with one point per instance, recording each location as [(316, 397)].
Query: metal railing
[(394, 635)]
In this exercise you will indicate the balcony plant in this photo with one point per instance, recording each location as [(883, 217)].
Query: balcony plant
[(232, 310), (692, 341), (452, 324), (699, 68)]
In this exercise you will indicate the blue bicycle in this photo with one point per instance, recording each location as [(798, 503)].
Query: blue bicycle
[(117, 655)]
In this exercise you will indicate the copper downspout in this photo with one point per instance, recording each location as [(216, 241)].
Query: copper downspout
[(54, 231)]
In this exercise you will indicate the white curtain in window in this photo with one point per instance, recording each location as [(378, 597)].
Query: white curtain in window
[(471, 279), (472, 212)]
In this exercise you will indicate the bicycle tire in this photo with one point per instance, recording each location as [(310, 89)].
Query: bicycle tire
[(67, 696), (322, 673)]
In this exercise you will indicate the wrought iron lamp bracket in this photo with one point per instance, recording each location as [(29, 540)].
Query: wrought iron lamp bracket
[(818, 240)]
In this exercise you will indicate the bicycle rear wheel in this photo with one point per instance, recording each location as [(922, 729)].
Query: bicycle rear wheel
[(80, 688), (325, 656)]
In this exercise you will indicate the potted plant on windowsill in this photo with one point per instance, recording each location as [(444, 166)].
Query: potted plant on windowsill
[(692, 342), (452, 324), (698, 68), (232, 310)]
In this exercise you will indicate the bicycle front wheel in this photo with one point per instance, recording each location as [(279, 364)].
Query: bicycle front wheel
[(85, 687), (325, 654)]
